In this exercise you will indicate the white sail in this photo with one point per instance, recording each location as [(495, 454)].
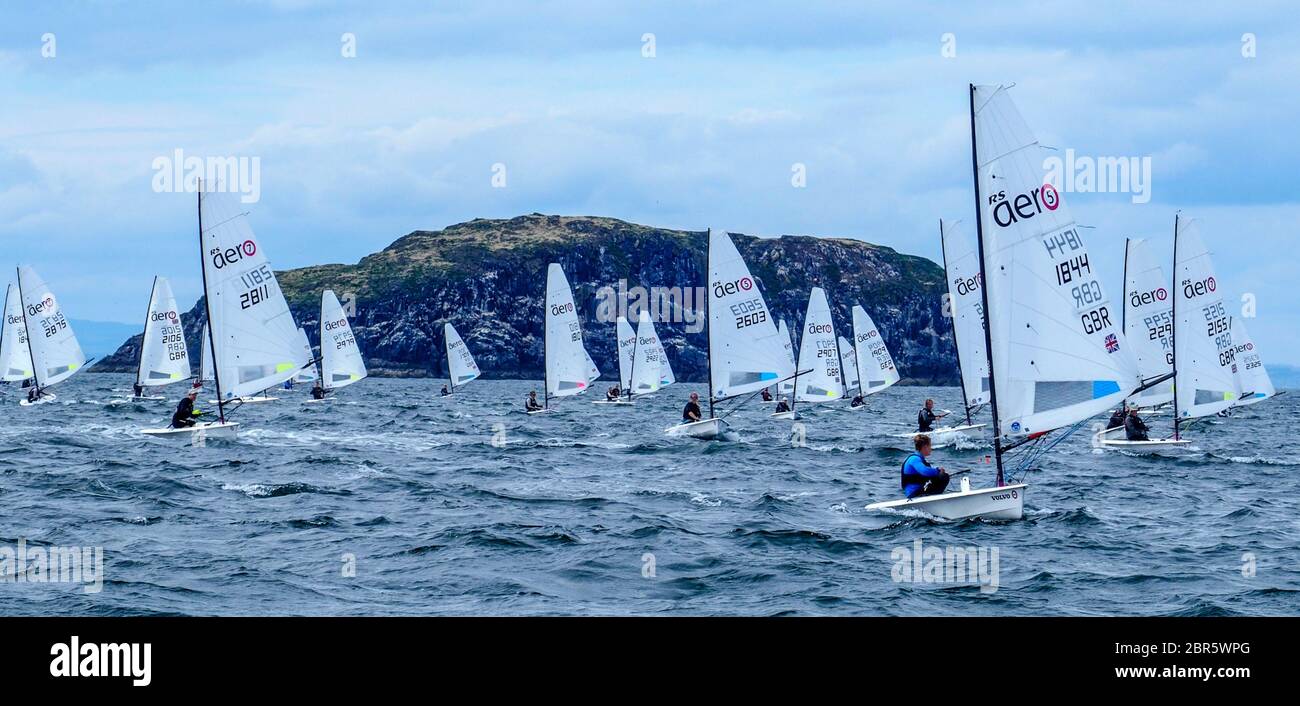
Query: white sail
[(568, 367), (666, 376), (205, 357), (307, 374), (340, 357), (647, 367), (460, 362), (962, 266), (56, 355), (874, 360), (593, 372), (255, 339), (744, 346), (849, 364), (818, 354), (1252, 378), (15, 355), (1149, 321), (1204, 351), (626, 352), (1059, 356), (787, 386), (164, 358)]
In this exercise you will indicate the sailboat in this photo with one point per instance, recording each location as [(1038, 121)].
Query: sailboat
[(1056, 357), (1205, 365), (164, 358), (309, 373), (849, 364), (15, 355), (666, 376), (461, 367), (341, 363), (744, 347), (1148, 324), (819, 354), (961, 266), (785, 387), (55, 353), (255, 343), (1252, 377), (206, 374), (569, 369), (626, 345)]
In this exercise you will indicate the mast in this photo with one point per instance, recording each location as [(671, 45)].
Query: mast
[(139, 369), (708, 295), (984, 291), (839, 355), (1173, 323), (207, 311), (36, 378), (952, 309)]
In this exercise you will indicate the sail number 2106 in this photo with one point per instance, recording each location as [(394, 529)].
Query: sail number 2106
[(258, 283)]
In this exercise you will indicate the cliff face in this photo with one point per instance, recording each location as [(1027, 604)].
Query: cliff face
[(488, 278)]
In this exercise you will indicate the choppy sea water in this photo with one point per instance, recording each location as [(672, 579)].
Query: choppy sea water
[(467, 506)]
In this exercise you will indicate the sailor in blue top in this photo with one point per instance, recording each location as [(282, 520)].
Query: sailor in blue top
[(919, 477)]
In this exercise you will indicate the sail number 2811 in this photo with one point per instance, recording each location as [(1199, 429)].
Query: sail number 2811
[(258, 283)]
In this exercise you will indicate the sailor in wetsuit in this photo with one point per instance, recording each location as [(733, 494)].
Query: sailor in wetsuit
[(919, 477), (766, 394), (138, 390), (185, 412), (613, 393), (1117, 418), (1134, 428), (782, 406), (925, 418), (317, 392), (445, 392), (691, 412), (857, 401), (532, 405)]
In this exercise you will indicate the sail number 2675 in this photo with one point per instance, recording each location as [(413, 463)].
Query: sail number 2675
[(258, 282)]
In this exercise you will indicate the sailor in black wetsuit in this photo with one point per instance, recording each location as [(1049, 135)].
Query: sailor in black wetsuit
[(766, 395), (613, 393), (782, 406), (925, 418), (445, 392), (857, 401), (1117, 419), (532, 405), (1134, 428), (317, 392), (185, 414), (138, 390), (691, 412)]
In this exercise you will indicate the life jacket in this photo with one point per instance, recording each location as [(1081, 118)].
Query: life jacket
[(912, 477)]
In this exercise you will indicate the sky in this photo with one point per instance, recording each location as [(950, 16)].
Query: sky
[(672, 114)]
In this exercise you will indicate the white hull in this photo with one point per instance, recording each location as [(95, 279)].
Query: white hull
[(791, 415), (313, 400), (1005, 503), (947, 436), (146, 398), (43, 399), (707, 429), (202, 430), (862, 406), (1113, 438), (544, 410), (624, 403)]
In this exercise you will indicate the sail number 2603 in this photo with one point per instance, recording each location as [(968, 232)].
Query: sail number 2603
[(749, 312), (258, 283)]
